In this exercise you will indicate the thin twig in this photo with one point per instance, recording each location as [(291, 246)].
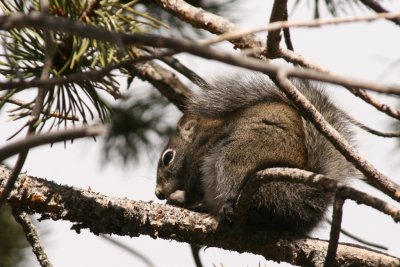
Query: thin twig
[(32, 141), (374, 5), (90, 75), (299, 60), (239, 33), (335, 230), (359, 239), (27, 105), (128, 249), (196, 254), (32, 236), (182, 69)]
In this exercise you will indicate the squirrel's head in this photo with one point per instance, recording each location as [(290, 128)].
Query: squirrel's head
[(173, 166)]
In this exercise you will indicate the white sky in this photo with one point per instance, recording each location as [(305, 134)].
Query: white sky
[(363, 50)]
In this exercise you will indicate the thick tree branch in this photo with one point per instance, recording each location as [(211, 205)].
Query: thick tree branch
[(202, 19), (166, 82), (102, 214)]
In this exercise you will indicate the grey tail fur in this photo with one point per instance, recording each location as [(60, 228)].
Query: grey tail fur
[(228, 95)]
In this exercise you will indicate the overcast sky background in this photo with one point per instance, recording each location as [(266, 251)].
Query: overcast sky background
[(362, 50)]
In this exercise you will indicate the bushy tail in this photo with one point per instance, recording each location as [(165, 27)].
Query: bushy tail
[(323, 157)]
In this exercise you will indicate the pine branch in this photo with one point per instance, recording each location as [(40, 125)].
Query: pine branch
[(107, 215)]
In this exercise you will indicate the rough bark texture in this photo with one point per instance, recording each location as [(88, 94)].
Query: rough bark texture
[(121, 216)]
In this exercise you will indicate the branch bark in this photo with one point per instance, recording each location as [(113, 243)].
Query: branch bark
[(202, 19), (108, 215), (166, 82), (32, 237), (375, 6)]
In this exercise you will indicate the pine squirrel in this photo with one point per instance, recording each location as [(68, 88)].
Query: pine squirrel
[(237, 127)]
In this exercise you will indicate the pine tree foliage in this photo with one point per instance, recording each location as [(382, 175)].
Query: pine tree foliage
[(24, 54)]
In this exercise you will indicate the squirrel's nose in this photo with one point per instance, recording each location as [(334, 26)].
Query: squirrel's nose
[(159, 193)]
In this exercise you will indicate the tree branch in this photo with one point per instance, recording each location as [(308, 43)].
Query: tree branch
[(179, 45), (22, 104), (202, 19), (49, 138), (102, 214), (273, 26), (316, 180), (32, 236), (375, 6), (166, 82), (390, 111), (376, 178), (335, 230)]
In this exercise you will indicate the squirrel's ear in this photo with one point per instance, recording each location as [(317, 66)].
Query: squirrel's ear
[(186, 128)]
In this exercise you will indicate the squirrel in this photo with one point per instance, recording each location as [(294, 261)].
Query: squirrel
[(236, 127)]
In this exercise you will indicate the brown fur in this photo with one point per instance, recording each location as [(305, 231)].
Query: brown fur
[(235, 129)]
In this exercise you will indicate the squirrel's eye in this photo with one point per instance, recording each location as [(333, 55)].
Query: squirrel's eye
[(168, 157)]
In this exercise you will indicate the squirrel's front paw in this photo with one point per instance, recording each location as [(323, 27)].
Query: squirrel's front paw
[(226, 213)]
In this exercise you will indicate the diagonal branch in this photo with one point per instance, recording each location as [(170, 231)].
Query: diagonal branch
[(202, 19), (32, 236), (376, 178), (373, 101), (375, 6), (49, 138), (166, 82), (102, 214), (22, 104)]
